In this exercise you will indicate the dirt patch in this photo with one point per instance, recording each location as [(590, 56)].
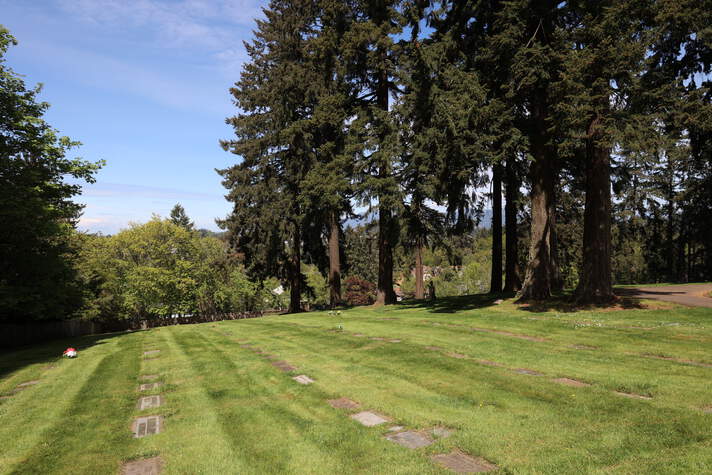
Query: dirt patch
[(410, 439), (344, 403), (571, 382), (459, 356), (459, 462), (359, 335), (151, 466)]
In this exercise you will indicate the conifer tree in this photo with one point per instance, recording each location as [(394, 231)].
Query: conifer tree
[(178, 217), (272, 131)]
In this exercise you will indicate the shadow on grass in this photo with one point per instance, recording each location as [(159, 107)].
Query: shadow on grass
[(561, 303), (47, 352), (456, 304)]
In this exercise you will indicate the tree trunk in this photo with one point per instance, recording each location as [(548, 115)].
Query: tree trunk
[(295, 273), (595, 284), (334, 260), (419, 284), (538, 280), (496, 275), (512, 279), (384, 294)]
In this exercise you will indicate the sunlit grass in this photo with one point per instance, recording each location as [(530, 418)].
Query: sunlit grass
[(228, 410)]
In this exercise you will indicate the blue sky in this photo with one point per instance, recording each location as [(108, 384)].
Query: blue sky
[(143, 84)]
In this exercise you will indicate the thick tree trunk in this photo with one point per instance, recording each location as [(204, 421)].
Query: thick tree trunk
[(295, 273), (384, 293), (538, 281), (496, 275), (512, 279), (595, 284), (419, 284), (334, 260)]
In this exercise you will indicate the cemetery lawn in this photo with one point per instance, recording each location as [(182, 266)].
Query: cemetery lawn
[(227, 409)]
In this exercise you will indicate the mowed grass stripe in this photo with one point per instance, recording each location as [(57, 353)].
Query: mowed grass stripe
[(282, 427), (91, 433), (640, 375), (564, 416)]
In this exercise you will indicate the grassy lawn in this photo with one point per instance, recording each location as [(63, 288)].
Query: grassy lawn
[(229, 410)]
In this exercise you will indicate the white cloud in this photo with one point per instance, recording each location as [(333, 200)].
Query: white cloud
[(177, 24)]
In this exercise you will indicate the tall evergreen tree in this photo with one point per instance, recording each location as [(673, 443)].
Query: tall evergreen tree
[(180, 218), (275, 97)]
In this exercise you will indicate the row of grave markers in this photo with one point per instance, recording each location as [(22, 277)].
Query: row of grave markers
[(456, 461), (144, 426)]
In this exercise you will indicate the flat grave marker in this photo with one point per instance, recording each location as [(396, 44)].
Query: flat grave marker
[(344, 403), (150, 466), (26, 384), (410, 439), (583, 347), (632, 395), (395, 340), (463, 463), (148, 386), (149, 402), (284, 366), (148, 377), (433, 348), (303, 379), (457, 355), (575, 383), (529, 372), (369, 419), (151, 352), (490, 363), (148, 425)]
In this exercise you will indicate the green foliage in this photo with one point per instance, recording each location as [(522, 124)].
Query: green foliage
[(158, 269), (37, 214), (179, 217)]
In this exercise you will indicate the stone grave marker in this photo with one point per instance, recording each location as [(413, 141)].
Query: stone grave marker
[(151, 352), (149, 402), (433, 348), (369, 419), (148, 425), (26, 384), (457, 355), (530, 372), (463, 463), (284, 366), (394, 340), (571, 382), (410, 439), (148, 386), (632, 395), (303, 379), (344, 403), (148, 377), (150, 466)]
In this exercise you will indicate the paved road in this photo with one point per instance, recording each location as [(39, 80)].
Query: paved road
[(686, 294)]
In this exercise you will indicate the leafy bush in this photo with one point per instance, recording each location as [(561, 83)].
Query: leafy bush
[(359, 291)]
